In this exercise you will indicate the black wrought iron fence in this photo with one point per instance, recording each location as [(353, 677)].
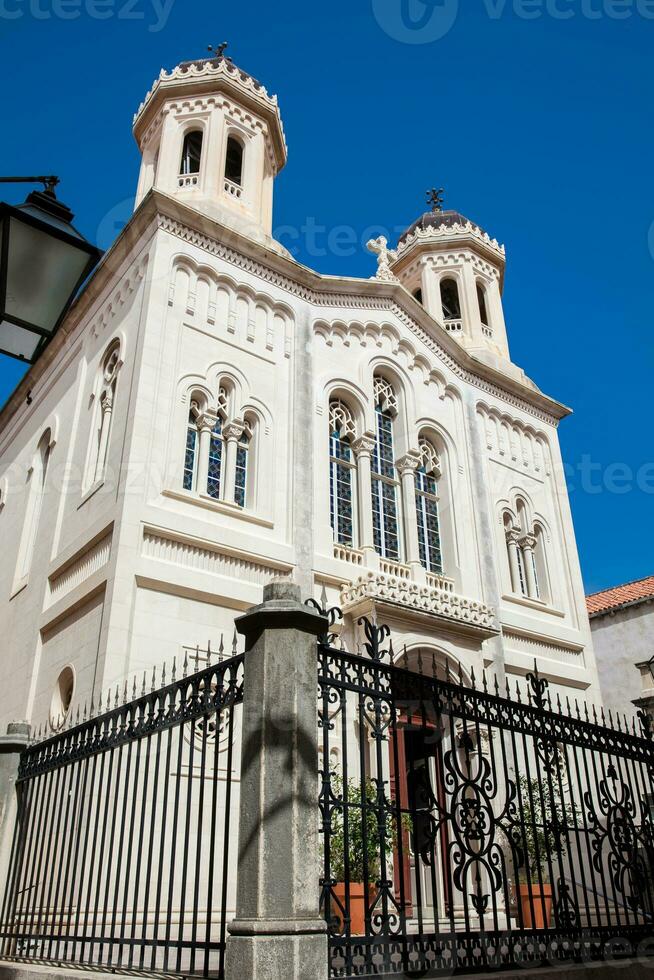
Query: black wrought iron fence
[(464, 830), (122, 856)]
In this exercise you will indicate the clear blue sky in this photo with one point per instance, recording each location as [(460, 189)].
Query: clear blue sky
[(538, 125)]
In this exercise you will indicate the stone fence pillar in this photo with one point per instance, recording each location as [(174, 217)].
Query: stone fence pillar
[(278, 931), (11, 746)]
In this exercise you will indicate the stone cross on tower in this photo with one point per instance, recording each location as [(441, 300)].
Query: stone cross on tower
[(435, 198)]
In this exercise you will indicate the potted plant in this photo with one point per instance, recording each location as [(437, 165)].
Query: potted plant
[(544, 816), (363, 837)]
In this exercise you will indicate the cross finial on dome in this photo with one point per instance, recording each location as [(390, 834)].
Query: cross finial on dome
[(435, 198), (219, 51)]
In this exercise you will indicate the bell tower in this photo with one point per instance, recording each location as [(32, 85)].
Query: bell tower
[(210, 135), (456, 270)]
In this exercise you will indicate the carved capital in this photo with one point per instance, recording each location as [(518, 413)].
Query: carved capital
[(206, 422), (408, 463), (528, 542), (364, 445), (232, 431)]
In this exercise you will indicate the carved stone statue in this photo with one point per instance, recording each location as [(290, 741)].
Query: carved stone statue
[(385, 255)]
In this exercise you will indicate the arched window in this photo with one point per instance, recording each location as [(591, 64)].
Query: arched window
[(483, 309), (418, 295), (243, 455), (104, 412), (385, 517), (450, 299), (217, 446), (191, 453), (191, 152), (234, 161), (429, 537), (342, 469), (34, 503)]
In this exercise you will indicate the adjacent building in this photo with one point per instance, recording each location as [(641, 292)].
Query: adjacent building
[(622, 623)]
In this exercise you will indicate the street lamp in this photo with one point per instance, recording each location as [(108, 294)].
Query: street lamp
[(43, 262)]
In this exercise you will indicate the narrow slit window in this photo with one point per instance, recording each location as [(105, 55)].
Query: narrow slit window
[(341, 472), (483, 309), (243, 450), (385, 511), (191, 453), (429, 536), (450, 299), (234, 161), (192, 152)]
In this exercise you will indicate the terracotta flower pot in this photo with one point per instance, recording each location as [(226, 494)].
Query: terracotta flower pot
[(357, 905), (541, 899)]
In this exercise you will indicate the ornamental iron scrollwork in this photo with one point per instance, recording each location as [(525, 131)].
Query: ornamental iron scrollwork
[(332, 614), (479, 819), (566, 909), (617, 836), (375, 636)]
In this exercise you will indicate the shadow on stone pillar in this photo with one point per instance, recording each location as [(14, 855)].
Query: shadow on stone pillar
[(278, 931), (11, 745)]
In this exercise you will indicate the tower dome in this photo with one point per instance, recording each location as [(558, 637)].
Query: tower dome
[(456, 270), (212, 136)]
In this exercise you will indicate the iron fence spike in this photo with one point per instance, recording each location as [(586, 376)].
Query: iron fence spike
[(221, 648), (173, 673), (145, 680), (235, 643)]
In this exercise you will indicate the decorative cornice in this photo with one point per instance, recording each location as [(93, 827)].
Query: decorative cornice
[(446, 233), (324, 298)]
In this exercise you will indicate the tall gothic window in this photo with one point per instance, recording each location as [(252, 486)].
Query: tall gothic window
[(342, 466), (191, 153), (429, 537), (191, 453), (385, 517), (102, 419), (234, 161), (243, 451), (450, 299), (35, 496), (217, 447)]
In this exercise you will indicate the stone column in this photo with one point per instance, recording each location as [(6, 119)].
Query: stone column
[(11, 746), (528, 545), (363, 449), (278, 930), (514, 562), (232, 432), (406, 467), (205, 427), (106, 406)]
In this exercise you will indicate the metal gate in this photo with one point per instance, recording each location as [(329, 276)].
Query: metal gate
[(464, 830), (122, 856)]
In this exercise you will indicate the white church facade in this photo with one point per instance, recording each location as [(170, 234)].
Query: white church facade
[(212, 415)]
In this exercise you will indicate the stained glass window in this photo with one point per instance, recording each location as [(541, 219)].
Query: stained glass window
[(341, 472), (385, 515), (190, 456), (242, 453), (215, 460), (429, 536)]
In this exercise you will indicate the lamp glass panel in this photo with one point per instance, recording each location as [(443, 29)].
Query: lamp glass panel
[(18, 341), (42, 272)]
